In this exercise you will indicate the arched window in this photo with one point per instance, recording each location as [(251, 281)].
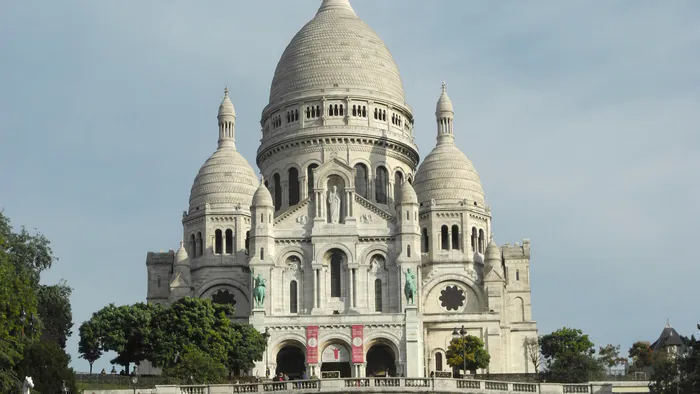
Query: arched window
[(293, 301), (159, 281), (361, 180), (364, 111), (380, 185), (278, 191), (398, 182), (200, 245), (408, 250), (293, 178), (425, 241), (336, 261), (481, 241), (517, 275), (218, 242), (444, 238), (262, 253), (377, 295), (247, 242), (438, 361), (376, 114), (455, 237), (310, 178), (308, 112), (354, 110), (193, 246), (229, 241), (475, 238)]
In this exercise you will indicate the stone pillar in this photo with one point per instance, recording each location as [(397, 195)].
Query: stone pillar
[(351, 288), (317, 293), (413, 367), (303, 188)]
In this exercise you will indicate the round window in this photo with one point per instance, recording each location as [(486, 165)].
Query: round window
[(452, 298)]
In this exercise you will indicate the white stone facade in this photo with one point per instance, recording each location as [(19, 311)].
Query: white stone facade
[(337, 119)]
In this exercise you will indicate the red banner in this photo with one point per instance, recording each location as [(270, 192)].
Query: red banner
[(312, 344), (358, 342)]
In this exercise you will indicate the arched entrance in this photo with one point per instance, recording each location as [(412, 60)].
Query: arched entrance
[(336, 357), (381, 361), (291, 361)]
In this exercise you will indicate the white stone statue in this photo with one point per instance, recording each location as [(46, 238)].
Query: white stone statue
[(27, 385), (334, 205)]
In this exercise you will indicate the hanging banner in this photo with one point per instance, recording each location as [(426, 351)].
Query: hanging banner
[(312, 344), (358, 342)]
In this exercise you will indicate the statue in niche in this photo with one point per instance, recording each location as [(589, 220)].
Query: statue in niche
[(411, 287), (334, 205), (259, 290)]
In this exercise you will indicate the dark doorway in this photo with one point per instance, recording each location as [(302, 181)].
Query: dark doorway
[(343, 368), (290, 360), (380, 361)]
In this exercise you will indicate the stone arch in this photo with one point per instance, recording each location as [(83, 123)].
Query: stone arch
[(518, 310), (371, 251), (385, 338), (320, 255), (287, 251), (287, 339), (235, 287), (340, 340), (433, 284), (382, 354), (324, 172), (288, 355), (435, 364)]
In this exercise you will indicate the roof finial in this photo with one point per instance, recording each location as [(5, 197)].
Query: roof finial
[(491, 238), (668, 322), (226, 90), (444, 87)]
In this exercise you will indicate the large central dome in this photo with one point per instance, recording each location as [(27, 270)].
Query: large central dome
[(336, 51)]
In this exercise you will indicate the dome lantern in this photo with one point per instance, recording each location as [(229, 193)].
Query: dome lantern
[(227, 122)]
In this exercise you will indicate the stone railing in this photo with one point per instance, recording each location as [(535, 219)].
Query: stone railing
[(378, 385)]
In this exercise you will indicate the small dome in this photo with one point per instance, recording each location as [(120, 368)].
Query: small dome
[(447, 174), (224, 181), (492, 252), (181, 254), (336, 50), (408, 194), (226, 107), (444, 103), (262, 197)]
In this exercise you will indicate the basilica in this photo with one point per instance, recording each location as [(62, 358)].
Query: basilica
[(348, 252)]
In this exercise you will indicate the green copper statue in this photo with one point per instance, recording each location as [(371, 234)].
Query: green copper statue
[(411, 287), (259, 291)]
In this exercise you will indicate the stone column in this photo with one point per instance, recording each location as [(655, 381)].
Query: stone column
[(317, 294), (303, 188), (354, 288), (351, 287)]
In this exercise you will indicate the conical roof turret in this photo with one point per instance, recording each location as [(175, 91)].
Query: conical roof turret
[(226, 108), (493, 253), (408, 194)]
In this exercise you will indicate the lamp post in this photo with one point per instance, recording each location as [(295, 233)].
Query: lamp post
[(461, 334), (266, 335), (135, 377), (64, 388)]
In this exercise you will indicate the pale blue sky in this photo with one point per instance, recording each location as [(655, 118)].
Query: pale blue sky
[(582, 118)]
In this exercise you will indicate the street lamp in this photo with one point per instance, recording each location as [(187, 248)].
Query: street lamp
[(266, 335), (462, 333), (135, 377), (64, 388)]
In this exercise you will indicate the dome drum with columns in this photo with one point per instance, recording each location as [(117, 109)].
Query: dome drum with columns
[(370, 260)]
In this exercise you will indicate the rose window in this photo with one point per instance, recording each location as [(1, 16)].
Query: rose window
[(224, 297), (452, 298)]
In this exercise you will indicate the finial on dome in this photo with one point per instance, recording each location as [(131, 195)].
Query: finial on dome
[(328, 5), (225, 90), (491, 238), (668, 322), (444, 87)]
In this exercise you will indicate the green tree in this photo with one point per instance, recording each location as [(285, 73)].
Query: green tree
[(641, 355), (193, 322), (89, 346), (55, 313), (568, 355), (471, 348), (609, 356), (18, 302), (248, 350), (47, 364), (677, 372), (196, 366), (124, 329)]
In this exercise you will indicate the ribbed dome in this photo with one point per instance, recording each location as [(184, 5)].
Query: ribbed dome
[(336, 50), (408, 194), (447, 174), (262, 197), (225, 180)]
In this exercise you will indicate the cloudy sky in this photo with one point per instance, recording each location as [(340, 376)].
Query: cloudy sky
[(583, 120)]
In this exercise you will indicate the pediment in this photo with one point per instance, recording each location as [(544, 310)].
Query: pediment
[(494, 274), (368, 214), (333, 166), (179, 281), (296, 217)]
